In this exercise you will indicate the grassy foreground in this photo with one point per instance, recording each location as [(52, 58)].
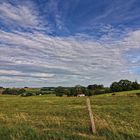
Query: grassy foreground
[(66, 118), (117, 118), (43, 118)]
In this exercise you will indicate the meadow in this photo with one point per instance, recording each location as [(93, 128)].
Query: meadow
[(43, 117), (66, 118), (117, 118)]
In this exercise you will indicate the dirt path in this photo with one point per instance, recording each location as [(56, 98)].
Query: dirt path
[(93, 129)]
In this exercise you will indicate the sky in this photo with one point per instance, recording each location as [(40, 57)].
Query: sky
[(68, 42)]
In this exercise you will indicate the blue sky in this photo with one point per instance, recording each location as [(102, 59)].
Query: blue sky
[(68, 42)]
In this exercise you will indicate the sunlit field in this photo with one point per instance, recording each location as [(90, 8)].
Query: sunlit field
[(66, 118), (117, 118), (48, 118)]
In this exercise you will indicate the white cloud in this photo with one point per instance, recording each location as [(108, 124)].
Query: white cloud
[(21, 15), (66, 61), (36, 57), (9, 72)]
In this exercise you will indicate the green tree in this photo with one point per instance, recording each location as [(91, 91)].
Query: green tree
[(135, 85), (78, 90), (10, 91), (115, 87), (124, 85), (59, 91), (95, 86), (22, 90)]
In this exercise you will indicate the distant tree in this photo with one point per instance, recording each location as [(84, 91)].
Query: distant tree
[(107, 90), (6, 91), (26, 94), (22, 90), (47, 89), (99, 91), (135, 85), (67, 91), (89, 92), (74, 91), (115, 87), (10, 91), (78, 90), (95, 86), (85, 91), (44, 89), (59, 91), (124, 85), (71, 92)]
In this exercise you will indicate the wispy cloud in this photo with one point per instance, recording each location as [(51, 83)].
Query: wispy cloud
[(20, 14), (38, 59), (57, 57)]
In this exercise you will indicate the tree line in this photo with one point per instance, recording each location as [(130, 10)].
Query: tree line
[(122, 85)]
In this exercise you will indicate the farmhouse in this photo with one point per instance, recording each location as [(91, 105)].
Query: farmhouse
[(80, 95)]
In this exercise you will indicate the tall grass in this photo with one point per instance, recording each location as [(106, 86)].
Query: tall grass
[(67, 118), (45, 118), (117, 118)]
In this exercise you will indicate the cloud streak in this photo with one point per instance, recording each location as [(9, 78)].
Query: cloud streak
[(83, 61), (36, 58), (20, 14)]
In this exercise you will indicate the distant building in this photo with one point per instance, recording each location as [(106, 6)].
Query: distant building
[(80, 95)]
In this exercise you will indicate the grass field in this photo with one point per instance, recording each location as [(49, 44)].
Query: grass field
[(43, 117), (117, 118), (66, 118), (123, 93)]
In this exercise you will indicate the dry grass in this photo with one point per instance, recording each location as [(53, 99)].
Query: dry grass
[(67, 118), (44, 117), (117, 117)]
